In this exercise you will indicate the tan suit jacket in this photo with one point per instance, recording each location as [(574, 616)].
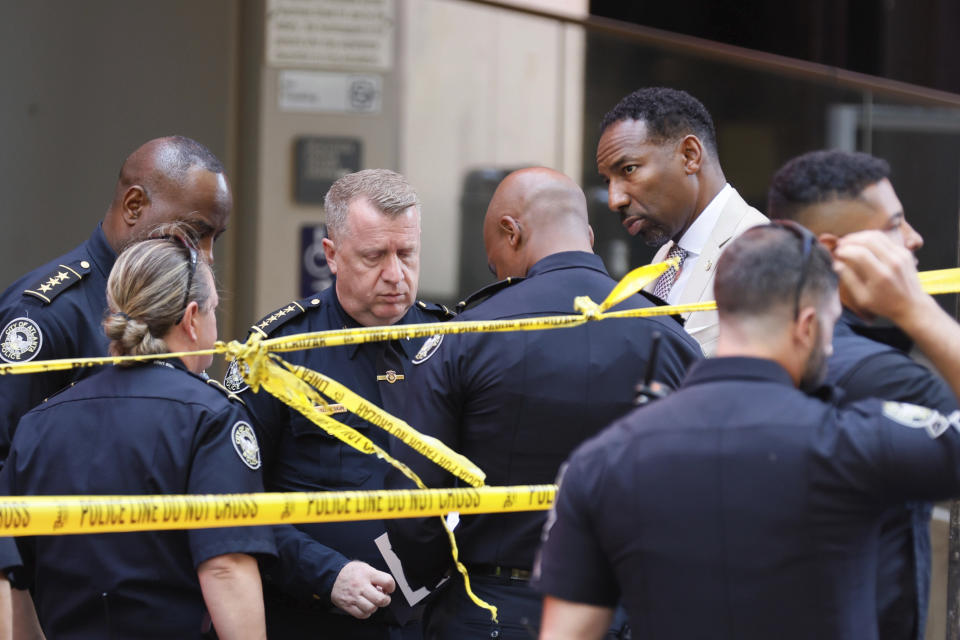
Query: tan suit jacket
[(737, 216)]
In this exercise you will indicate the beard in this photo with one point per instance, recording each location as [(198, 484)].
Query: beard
[(815, 369)]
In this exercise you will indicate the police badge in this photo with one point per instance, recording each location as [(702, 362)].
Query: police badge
[(428, 349), (22, 340), (917, 417), (245, 443), (233, 381)]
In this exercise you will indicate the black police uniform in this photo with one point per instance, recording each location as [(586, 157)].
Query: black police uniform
[(871, 361), (151, 429), (740, 507), (52, 312), (516, 404), (300, 456)]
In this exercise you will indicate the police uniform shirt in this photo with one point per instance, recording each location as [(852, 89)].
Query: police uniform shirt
[(300, 456), (517, 403), (740, 507), (150, 429), (52, 312), (872, 362)]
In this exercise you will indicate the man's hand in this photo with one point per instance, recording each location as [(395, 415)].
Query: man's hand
[(360, 589), (878, 277)]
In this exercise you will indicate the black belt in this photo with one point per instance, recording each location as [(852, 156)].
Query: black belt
[(496, 571)]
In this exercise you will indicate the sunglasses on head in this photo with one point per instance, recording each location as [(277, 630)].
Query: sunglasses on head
[(193, 257), (808, 240)]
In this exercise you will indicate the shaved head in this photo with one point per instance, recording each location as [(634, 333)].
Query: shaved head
[(534, 213), (172, 179)]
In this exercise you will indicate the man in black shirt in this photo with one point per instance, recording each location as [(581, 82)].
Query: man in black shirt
[(743, 506), (834, 193)]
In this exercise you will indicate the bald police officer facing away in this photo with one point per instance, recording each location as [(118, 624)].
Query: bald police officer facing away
[(518, 403), (741, 506), (834, 193), (658, 156), (332, 579), (55, 311)]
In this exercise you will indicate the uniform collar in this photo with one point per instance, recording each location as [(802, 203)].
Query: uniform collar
[(726, 369), (567, 260), (343, 320), (170, 363), (101, 252), (737, 368), (881, 331)]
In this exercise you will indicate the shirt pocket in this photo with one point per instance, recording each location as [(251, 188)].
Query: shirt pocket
[(323, 461)]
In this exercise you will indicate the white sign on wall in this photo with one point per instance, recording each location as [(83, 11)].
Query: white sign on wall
[(326, 92), (346, 34)]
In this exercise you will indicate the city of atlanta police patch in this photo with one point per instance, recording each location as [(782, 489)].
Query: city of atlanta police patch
[(245, 442), (917, 417), (233, 380), (21, 340), (428, 349)]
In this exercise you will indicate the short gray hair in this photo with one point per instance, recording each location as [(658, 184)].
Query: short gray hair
[(386, 190)]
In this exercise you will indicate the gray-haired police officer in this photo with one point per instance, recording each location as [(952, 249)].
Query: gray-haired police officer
[(332, 577)]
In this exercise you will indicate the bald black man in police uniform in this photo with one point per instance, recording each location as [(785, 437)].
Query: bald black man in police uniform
[(516, 404), (55, 311)]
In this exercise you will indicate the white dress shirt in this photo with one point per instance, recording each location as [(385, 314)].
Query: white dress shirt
[(695, 237)]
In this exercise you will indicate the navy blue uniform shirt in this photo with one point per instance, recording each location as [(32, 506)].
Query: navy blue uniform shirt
[(517, 403), (54, 311), (300, 456), (150, 429), (740, 507), (872, 362)]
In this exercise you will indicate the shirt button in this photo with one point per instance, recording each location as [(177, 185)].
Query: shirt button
[(495, 633)]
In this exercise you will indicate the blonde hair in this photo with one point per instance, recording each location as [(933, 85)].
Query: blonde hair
[(147, 292), (388, 191)]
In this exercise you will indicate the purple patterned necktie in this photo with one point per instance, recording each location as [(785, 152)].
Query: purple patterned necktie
[(665, 281)]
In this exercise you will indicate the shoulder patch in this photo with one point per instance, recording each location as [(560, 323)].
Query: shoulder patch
[(428, 349), (273, 321), (441, 311), (482, 294), (246, 445), (20, 340), (59, 280), (917, 417), (222, 389), (233, 382)]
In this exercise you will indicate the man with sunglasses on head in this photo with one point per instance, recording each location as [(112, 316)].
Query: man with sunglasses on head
[(834, 193), (55, 310), (747, 504)]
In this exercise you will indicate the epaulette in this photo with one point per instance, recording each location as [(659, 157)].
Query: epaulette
[(59, 280), (273, 321), (230, 395), (442, 311), (484, 293)]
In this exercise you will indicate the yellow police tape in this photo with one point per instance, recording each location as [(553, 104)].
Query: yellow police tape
[(295, 385), (61, 515)]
